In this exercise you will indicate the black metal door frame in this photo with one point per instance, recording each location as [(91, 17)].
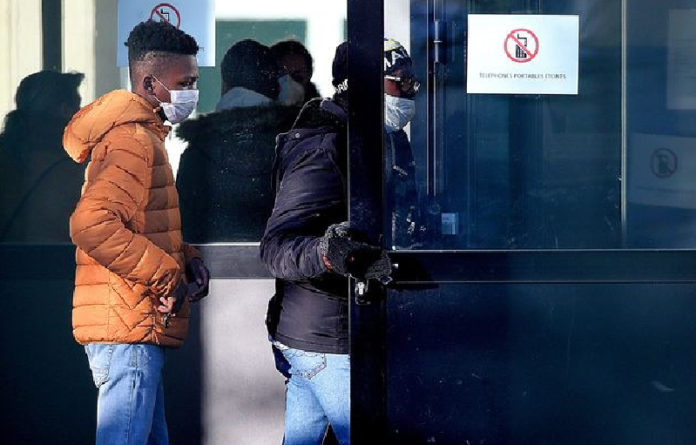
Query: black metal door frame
[(365, 90)]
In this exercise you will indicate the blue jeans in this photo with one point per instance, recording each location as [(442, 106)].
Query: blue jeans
[(130, 405), (318, 394)]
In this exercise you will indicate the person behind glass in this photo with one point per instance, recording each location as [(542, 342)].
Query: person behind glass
[(45, 183), (400, 87), (134, 274), (311, 251), (296, 67), (224, 174)]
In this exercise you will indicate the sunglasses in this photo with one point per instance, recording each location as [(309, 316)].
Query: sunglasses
[(408, 85)]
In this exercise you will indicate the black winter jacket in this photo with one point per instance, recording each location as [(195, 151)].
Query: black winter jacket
[(310, 308), (224, 177)]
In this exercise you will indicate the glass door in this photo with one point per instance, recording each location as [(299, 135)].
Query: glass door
[(542, 234)]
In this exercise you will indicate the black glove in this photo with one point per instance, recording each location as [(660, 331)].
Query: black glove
[(196, 272), (347, 257), (380, 269), (180, 293)]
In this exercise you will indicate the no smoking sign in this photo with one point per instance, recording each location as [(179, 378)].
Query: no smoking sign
[(521, 45)]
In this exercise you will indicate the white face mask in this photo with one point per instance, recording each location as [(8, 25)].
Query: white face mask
[(398, 112), (182, 104), (291, 91)]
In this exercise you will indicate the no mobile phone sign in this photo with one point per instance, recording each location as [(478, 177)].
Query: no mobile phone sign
[(521, 45), (522, 54), (166, 12)]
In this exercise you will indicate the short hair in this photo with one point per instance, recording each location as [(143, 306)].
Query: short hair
[(158, 37), (249, 64), (290, 48)]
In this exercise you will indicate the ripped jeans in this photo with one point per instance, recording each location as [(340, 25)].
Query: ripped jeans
[(130, 404), (318, 394)]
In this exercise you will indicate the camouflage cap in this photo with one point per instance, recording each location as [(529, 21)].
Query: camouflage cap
[(396, 57)]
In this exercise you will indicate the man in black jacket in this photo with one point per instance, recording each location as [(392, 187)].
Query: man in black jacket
[(223, 179), (312, 252), (400, 87), (45, 182)]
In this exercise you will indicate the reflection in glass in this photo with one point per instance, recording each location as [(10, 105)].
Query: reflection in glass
[(224, 175), (224, 178), (611, 167), (661, 86), (515, 171), (40, 183)]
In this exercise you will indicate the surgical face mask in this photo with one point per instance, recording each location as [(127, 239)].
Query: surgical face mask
[(182, 104), (398, 111), (291, 91)]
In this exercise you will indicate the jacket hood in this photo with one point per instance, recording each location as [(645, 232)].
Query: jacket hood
[(320, 112), (211, 131), (89, 125)]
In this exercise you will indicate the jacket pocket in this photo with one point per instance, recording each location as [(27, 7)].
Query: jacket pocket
[(99, 357), (305, 364)]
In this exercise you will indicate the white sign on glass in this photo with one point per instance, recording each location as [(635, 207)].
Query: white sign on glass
[(523, 54), (195, 17)]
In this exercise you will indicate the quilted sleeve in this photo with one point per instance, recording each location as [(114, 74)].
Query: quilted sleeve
[(309, 191), (99, 226)]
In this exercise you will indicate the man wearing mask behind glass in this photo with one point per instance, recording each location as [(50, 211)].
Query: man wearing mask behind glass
[(400, 87), (296, 67), (134, 274), (223, 179)]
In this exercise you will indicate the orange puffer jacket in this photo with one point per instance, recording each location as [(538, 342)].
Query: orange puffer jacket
[(126, 226)]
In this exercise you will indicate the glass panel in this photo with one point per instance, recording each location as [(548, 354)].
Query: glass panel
[(224, 175), (544, 171), (224, 182), (540, 364), (227, 33), (40, 186), (661, 107)]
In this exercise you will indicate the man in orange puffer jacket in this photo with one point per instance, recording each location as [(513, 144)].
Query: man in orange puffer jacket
[(134, 273)]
